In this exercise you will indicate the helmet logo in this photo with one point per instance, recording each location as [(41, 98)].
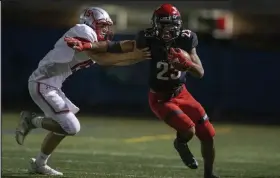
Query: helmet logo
[(88, 13)]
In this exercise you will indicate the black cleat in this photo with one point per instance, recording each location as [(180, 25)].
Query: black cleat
[(186, 155)]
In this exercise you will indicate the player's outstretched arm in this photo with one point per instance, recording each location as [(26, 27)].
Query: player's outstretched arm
[(119, 59), (128, 46), (196, 68), (140, 42), (119, 53), (113, 46), (100, 46)]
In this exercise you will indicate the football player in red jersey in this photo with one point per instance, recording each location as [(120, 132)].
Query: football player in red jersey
[(169, 99)]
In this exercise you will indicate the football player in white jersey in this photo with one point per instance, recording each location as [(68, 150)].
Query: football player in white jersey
[(81, 46)]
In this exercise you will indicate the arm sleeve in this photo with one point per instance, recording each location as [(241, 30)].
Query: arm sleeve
[(189, 42), (194, 40), (140, 39), (114, 47)]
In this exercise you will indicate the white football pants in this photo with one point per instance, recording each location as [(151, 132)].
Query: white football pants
[(55, 105)]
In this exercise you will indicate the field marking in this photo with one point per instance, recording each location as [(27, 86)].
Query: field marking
[(142, 139), (87, 152), (85, 173), (103, 162), (135, 154), (149, 138), (160, 166), (165, 136)]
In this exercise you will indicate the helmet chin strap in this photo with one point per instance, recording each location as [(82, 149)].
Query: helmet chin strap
[(161, 35)]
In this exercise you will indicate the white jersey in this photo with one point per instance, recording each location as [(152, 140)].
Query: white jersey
[(62, 61)]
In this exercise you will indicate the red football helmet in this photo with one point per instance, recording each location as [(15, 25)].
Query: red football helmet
[(167, 22)]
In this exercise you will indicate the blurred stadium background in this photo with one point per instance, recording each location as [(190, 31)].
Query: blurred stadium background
[(238, 46)]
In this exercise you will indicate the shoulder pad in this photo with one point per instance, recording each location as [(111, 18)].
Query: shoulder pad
[(82, 31), (185, 33), (189, 38)]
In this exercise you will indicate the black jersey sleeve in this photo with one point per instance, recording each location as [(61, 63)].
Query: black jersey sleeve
[(140, 39), (194, 40), (188, 40)]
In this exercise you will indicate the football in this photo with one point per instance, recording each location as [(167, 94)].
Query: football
[(180, 65)]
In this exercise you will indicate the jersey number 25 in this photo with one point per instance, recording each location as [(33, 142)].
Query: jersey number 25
[(165, 69)]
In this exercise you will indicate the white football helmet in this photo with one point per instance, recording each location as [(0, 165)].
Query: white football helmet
[(99, 20)]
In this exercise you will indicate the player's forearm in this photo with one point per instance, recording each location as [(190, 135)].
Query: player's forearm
[(80, 44), (113, 46), (196, 71), (111, 58), (99, 47)]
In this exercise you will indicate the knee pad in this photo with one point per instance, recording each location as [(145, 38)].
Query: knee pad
[(205, 131), (68, 122)]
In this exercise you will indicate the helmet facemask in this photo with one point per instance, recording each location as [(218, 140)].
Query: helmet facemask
[(104, 30), (167, 28)]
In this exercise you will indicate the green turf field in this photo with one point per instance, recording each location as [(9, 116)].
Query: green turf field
[(117, 148)]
